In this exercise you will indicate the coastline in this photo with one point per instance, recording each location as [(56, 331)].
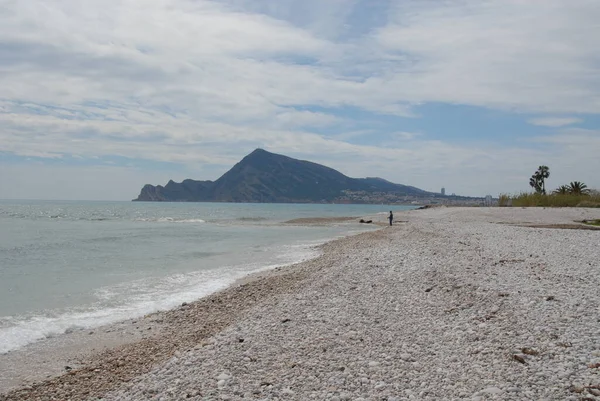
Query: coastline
[(45, 361), (450, 288)]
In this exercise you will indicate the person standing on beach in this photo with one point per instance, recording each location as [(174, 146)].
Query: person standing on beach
[(391, 217)]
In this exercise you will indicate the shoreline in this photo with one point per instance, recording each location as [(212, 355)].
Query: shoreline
[(47, 359), (444, 306)]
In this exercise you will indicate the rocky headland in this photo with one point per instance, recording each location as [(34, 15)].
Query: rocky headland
[(263, 177)]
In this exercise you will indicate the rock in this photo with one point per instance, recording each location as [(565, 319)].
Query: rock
[(492, 390), (594, 391), (577, 388), (223, 376), (519, 358), (529, 351)]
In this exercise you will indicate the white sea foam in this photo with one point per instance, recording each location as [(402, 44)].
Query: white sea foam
[(170, 220), (33, 328)]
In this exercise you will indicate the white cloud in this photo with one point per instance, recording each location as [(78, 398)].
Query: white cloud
[(523, 55), (298, 118), (555, 121), (405, 135)]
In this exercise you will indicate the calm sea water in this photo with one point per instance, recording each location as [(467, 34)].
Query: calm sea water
[(68, 265)]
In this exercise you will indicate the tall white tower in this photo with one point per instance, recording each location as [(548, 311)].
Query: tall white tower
[(443, 191)]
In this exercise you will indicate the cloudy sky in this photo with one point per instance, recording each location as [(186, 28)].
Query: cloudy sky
[(99, 97)]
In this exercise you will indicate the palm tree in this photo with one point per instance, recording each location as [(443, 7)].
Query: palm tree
[(562, 190), (543, 172), (538, 179), (535, 184), (578, 188)]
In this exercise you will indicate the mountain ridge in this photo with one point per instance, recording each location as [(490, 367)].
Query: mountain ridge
[(262, 176)]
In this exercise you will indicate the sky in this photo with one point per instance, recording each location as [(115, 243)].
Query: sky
[(99, 97)]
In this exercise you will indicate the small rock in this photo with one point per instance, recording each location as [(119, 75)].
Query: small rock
[(519, 358), (492, 390), (223, 376), (594, 391), (529, 351), (576, 389)]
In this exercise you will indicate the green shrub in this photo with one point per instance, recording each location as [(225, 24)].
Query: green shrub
[(525, 199)]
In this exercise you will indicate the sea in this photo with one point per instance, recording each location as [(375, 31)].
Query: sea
[(72, 265)]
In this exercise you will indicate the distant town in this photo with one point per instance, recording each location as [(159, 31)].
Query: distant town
[(390, 198)]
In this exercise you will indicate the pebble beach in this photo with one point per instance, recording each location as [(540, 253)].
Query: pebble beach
[(447, 304)]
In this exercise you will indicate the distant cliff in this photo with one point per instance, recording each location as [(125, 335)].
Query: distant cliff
[(268, 177)]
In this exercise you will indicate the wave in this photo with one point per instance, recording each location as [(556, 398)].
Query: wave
[(170, 220), (25, 330), (251, 218), (141, 297)]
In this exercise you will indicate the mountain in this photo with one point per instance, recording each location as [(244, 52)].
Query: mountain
[(268, 177)]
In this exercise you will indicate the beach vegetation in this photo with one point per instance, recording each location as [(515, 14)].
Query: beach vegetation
[(575, 194), (535, 199), (562, 190), (538, 179), (592, 222), (578, 188), (504, 200)]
